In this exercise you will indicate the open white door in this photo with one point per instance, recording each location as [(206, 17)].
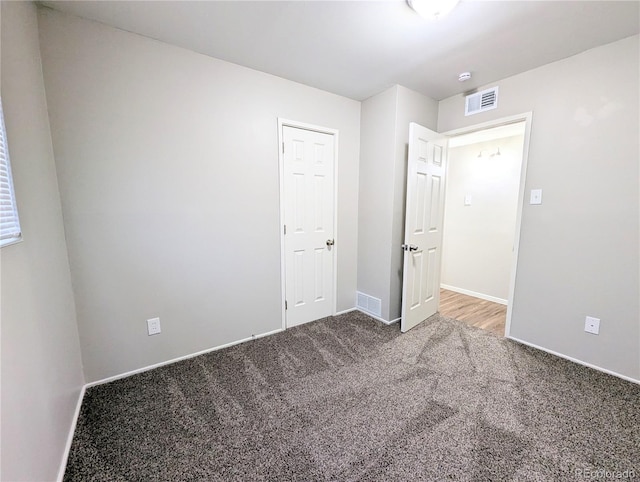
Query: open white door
[(423, 225), (309, 250)]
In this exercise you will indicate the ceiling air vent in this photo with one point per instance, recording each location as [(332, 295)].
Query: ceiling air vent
[(481, 101)]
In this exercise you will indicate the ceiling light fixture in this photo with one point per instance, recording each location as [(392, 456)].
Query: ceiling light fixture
[(430, 9)]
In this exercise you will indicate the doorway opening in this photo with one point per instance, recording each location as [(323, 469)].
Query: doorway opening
[(483, 208)]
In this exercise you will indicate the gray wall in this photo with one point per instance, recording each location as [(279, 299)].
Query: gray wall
[(477, 247), (579, 250), (410, 107), (168, 170), (41, 366), (375, 206), (384, 131)]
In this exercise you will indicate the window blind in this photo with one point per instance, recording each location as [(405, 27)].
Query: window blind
[(9, 222)]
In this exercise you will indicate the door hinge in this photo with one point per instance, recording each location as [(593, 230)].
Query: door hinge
[(283, 147), (285, 229), (286, 307)]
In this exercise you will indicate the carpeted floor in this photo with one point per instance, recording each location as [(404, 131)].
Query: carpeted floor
[(347, 399)]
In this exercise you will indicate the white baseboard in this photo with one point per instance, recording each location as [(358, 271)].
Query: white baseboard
[(378, 318), (208, 350), (174, 360), (575, 360), (475, 294), (343, 312), (72, 431)]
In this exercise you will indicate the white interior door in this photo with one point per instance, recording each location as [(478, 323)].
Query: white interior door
[(423, 225), (308, 177)]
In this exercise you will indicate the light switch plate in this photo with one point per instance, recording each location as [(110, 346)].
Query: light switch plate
[(467, 200), (536, 196), (592, 325)]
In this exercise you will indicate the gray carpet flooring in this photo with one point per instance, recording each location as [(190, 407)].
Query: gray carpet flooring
[(347, 398)]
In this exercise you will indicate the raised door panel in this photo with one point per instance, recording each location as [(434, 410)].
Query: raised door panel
[(423, 225), (308, 213)]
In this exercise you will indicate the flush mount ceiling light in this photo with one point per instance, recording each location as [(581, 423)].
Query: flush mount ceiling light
[(430, 9)]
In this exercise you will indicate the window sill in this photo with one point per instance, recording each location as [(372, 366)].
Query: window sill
[(9, 242)]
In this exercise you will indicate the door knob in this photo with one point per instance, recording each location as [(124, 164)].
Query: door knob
[(410, 247), (330, 242)]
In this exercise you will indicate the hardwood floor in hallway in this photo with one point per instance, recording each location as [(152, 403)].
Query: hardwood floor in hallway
[(476, 312)]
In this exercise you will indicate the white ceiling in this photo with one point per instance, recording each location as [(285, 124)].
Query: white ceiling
[(359, 48)]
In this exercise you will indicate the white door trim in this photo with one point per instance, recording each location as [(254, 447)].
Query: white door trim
[(527, 118), (324, 130)]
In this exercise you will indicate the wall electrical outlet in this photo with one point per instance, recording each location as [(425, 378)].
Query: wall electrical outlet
[(536, 196), (153, 326), (592, 325)]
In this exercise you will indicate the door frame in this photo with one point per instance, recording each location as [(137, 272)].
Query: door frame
[(323, 130), (527, 118)]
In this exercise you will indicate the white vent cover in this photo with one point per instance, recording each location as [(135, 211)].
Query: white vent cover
[(369, 304), (481, 101)]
